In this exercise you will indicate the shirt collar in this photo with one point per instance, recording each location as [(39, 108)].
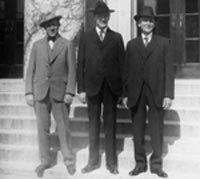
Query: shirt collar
[(149, 36), (98, 30)]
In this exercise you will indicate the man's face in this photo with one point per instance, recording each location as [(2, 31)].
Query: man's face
[(102, 20), (146, 24), (52, 27)]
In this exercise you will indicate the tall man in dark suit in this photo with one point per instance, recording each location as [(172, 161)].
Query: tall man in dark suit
[(100, 61), (149, 89), (50, 86)]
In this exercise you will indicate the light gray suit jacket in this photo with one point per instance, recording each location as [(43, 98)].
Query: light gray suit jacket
[(51, 70)]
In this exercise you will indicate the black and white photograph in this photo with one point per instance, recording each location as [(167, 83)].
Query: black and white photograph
[(99, 89)]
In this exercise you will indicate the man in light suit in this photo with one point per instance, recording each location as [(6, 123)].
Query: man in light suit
[(149, 89), (100, 61), (50, 87)]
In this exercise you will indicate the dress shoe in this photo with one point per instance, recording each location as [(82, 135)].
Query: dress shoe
[(70, 165), (137, 170), (160, 173), (88, 168), (71, 169), (41, 168), (113, 170)]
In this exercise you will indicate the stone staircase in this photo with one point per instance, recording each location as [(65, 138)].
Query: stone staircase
[(18, 137)]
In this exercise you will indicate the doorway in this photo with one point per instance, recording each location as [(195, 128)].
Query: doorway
[(11, 38)]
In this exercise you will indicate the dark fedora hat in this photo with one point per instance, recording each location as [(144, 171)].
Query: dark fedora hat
[(101, 8), (49, 17), (147, 12)]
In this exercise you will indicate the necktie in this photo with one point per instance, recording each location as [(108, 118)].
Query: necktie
[(146, 41), (101, 35)]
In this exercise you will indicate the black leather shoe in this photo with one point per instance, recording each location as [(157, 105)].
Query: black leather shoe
[(160, 173), (41, 168), (137, 170), (88, 168), (113, 170)]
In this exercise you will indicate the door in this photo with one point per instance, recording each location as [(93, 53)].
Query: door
[(11, 38), (179, 20)]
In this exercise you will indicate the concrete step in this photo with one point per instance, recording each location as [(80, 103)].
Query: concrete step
[(21, 170), (50, 174), (174, 114), (18, 98), (182, 86), (23, 127), (187, 86), (16, 141), (29, 154), (178, 164), (12, 97), (178, 114), (12, 85), (18, 138)]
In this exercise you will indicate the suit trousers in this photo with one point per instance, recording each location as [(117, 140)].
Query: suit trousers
[(109, 110), (145, 108), (60, 113)]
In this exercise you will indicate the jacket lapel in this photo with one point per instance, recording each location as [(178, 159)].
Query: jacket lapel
[(94, 36), (96, 39), (45, 48), (107, 38), (151, 45), (58, 46), (146, 51), (140, 46)]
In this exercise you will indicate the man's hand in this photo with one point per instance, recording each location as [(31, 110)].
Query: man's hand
[(82, 97), (68, 99), (30, 100), (167, 102), (125, 101)]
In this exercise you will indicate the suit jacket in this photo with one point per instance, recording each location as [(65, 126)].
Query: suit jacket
[(100, 60), (153, 65), (51, 70)]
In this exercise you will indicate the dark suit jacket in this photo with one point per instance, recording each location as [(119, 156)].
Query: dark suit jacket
[(54, 70), (100, 60), (152, 65)]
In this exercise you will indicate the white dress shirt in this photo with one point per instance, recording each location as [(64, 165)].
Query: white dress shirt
[(147, 38), (101, 33)]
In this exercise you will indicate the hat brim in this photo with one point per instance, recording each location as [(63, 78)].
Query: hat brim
[(137, 17), (92, 10), (42, 24)]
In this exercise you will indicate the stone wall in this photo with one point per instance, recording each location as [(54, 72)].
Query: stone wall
[(71, 10)]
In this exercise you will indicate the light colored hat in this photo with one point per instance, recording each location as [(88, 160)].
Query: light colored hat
[(49, 17)]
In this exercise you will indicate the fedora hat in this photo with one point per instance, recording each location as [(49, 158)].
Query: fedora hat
[(147, 12), (101, 8), (49, 17)]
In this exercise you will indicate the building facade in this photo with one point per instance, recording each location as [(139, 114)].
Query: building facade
[(178, 20)]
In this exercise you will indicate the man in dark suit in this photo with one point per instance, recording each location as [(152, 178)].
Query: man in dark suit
[(100, 60), (149, 89), (50, 86)]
